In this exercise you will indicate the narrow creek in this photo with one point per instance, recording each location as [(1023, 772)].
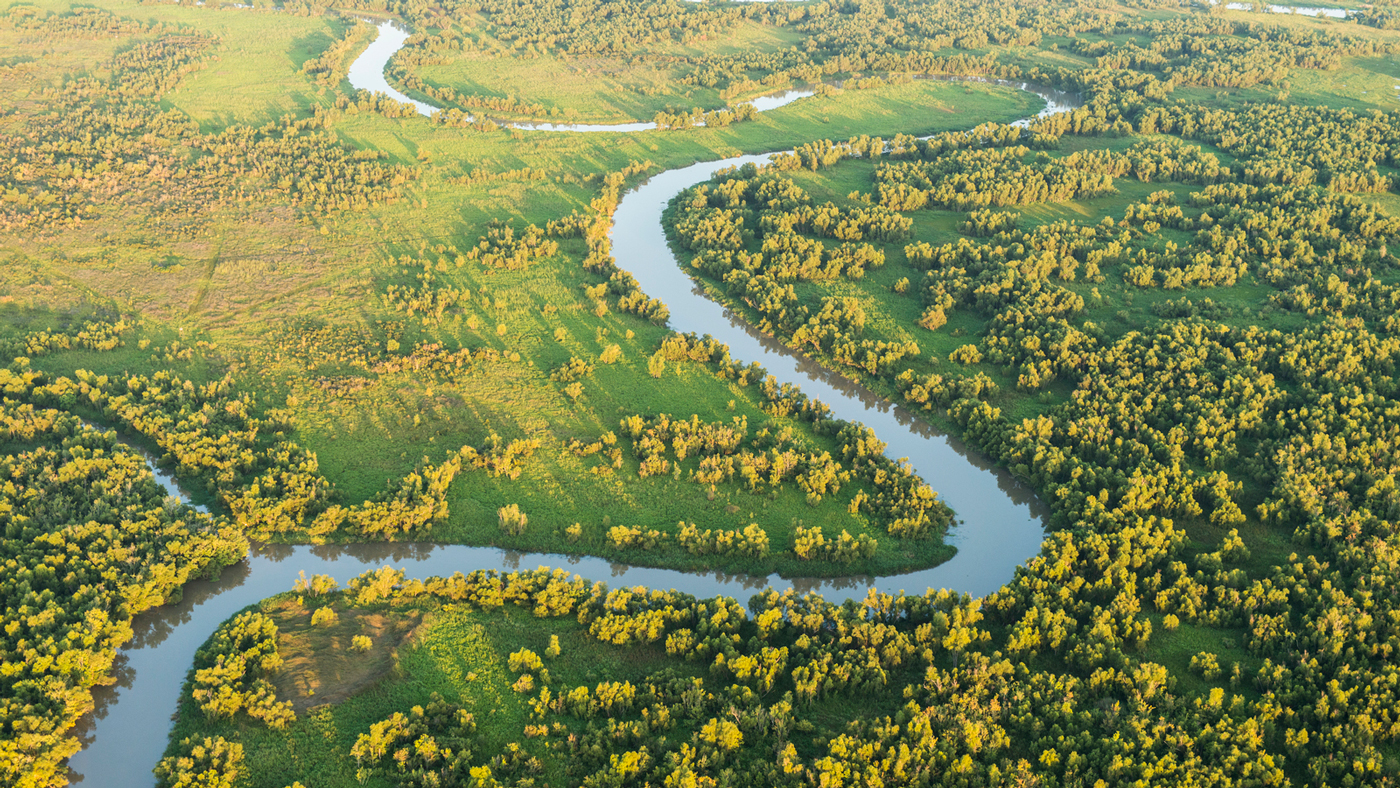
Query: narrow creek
[(1001, 522)]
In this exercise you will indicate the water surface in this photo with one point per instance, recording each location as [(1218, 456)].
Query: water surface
[(1330, 13), (367, 70)]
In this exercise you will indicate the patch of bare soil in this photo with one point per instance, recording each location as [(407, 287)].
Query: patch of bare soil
[(320, 664)]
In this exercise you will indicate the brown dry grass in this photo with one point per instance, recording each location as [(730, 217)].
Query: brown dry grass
[(319, 666)]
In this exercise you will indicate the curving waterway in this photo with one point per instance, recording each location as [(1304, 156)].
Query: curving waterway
[(1313, 11), (367, 73), (1001, 522)]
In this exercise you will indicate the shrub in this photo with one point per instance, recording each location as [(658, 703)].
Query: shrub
[(575, 369), (229, 672), (201, 763), (723, 734), (434, 739), (811, 544), (965, 354), (1233, 549), (361, 643), (1206, 665), (752, 541), (634, 537), (318, 585), (525, 661), (513, 521)]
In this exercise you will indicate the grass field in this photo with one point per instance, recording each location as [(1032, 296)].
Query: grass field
[(244, 272), (454, 651), (598, 89), (461, 654)]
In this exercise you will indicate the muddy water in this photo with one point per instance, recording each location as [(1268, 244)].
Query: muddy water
[(1001, 522)]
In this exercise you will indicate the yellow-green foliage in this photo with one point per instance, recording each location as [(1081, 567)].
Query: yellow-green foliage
[(634, 537), (207, 763), (525, 661), (812, 544), (230, 672), (512, 520), (752, 541)]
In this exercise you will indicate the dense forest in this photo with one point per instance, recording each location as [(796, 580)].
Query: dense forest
[(1169, 431), (1170, 310)]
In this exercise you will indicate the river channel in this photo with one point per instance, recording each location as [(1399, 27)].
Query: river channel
[(1001, 523), (367, 73)]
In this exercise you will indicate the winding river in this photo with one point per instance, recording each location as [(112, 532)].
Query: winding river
[(367, 73), (1001, 520)]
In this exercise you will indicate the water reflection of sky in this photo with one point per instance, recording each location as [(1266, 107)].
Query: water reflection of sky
[(367, 73), (1330, 13)]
